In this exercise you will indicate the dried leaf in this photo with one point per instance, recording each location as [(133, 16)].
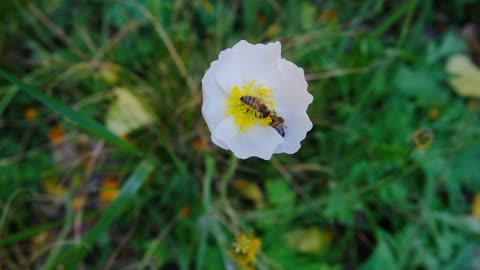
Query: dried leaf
[(311, 240), (127, 113), (53, 188), (466, 80), (249, 190)]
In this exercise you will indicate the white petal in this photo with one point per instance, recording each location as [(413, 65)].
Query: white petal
[(297, 126), (218, 142), (292, 93), (213, 107), (259, 141), (246, 62)]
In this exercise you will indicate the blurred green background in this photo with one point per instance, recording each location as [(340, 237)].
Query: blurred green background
[(106, 161)]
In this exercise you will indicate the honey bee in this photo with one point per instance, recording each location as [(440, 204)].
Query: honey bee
[(263, 112), (278, 123), (257, 104)]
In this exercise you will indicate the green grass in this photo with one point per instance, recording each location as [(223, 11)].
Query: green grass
[(358, 194)]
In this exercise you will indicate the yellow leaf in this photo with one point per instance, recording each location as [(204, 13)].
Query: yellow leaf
[(127, 113), (466, 76), (310, 240), (249, 191)]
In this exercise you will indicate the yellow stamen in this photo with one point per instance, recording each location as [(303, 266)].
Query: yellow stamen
[(245, 115)]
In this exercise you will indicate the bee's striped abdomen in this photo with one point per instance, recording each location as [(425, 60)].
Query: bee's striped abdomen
[(249, 100), (262, 111)]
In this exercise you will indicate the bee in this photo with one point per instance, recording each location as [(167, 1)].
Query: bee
[(263, 111), (278, 123), (256, 104)]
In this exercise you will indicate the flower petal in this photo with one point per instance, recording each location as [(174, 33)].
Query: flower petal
[(246, 62), (218, 142), (292, 93), (260, 141), (297, 126), (213, 107)]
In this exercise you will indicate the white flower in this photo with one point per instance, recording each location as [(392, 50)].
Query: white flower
[(257, 71)]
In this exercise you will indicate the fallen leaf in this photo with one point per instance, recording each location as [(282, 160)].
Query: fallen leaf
[(127, 113), (249, 190), (466, 76), (53, 188), (310, 240)]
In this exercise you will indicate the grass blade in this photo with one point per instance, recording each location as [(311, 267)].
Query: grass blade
[(7, 98), (83, 122)]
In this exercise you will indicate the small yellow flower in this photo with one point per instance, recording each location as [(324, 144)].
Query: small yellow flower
[(433, 113), (30, 113), (422, 138), (476, 206), (55, 135), (244, 250), (109, 190)]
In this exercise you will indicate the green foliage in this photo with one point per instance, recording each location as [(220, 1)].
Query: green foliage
[(279, 194), (358, 194)]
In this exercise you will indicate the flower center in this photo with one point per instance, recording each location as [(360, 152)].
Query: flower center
[(247, 104)]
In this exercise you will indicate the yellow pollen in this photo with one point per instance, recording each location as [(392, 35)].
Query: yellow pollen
[(245, 116)]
